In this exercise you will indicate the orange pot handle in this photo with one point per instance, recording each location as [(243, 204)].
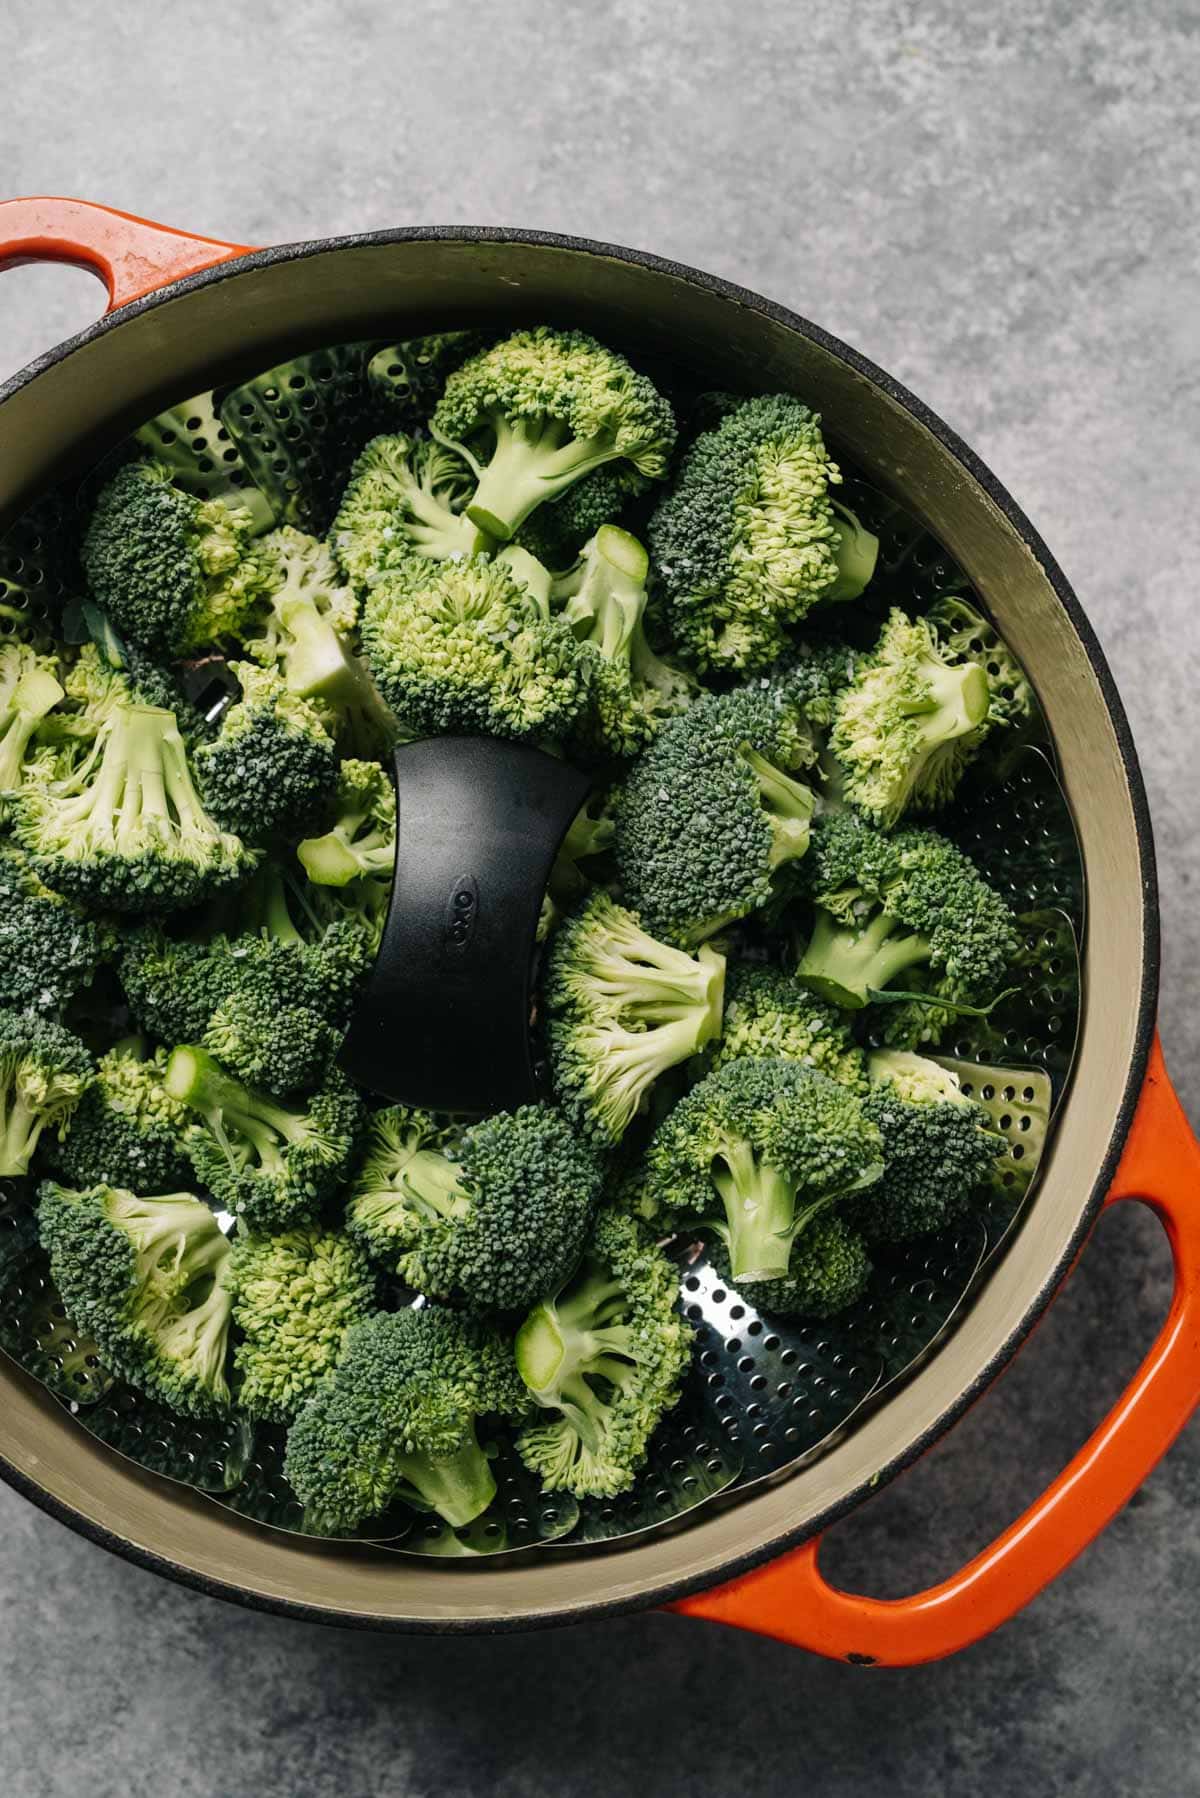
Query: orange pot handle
[(132, 256), (790, 1599)]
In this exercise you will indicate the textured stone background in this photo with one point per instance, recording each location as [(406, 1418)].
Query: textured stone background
[(1000, 205)]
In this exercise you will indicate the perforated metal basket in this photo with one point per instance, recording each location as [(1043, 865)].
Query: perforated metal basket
[(781, 1429)]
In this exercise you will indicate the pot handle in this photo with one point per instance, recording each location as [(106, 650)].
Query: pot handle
[(132, 256), (790, 1599)]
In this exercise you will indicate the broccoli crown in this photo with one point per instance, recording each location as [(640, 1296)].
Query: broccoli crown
[(271, 1164), (362, 840), (813, 676), (966, 635), (127, 1130), (828, 1271), (174, 572), (557, 531), (710, 813), (48, 948), (29, 688), (633, 690), (769, 1015), (936, 1144), (285, 1051), (494, 1216), (126, 829), (272, 765), (551, 406), (404, 495), (909, 722), (397, 1420), (464, 646), (145, 1277), (622, 1009), (754, 1153), (605, 1358), (907, 911), (44, 1073), (294, 1297), (749, 539)]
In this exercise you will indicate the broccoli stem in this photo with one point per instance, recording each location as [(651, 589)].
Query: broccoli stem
[(563, 1346), (317, 665), (193, 1077), (657, 983), (856, 554), (534, 460), (607, 594), (846, 965), (20, 1127), (35, 694), (459, 1487), (957, 703), (433, 1185), (788, 805), (760, 1213), (341, 856)]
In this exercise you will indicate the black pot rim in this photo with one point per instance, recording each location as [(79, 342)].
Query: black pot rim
[(1151, 941)]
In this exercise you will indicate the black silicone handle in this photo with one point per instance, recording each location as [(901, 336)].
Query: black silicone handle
[(444, 1020)]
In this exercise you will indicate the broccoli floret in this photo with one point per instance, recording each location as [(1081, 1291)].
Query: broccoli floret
[(605, 1357), (907, 912), (29, 688), (769, 1014), (603, 600), (363, 839), (126, 829), (44, 1073), (966, 635), (272, 765), (127, 1130), (493, 1215), (711, 812), (754, 1153), (557, 531), (813, 676), (828, 1271), (464, 646), (909, 723), (270, 1164), (404, 494), (397, 1420), (546, 407), (145, 1277), (294, 1297), (622, 1009), (305, 636), (750, 539), (48, 948), (175, 573), (937, 1148)]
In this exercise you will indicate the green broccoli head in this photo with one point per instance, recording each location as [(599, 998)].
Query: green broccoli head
[(44, 1073), (30, 687), (909, 723), (768, 1014), (827, 1271), (49, 948), (145, 1278), (750, 540), (273, 765), (622, 1008), (603, 1360), (404, 494), (295, 1295), (904, 913), (547, 407), (126, 828), (362, 839), (754, 1154), (397, 1420), (711, 812), (271, 1164), (175, 573), (492, 1215), (464, 646), (127, 1130), (937, 1149)]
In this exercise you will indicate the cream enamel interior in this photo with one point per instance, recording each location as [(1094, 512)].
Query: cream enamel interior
[(256, 313)]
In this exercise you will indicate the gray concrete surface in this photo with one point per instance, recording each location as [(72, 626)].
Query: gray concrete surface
[(1000, 205)]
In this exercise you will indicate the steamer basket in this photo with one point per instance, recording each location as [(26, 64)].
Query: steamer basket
[(189, 313)]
